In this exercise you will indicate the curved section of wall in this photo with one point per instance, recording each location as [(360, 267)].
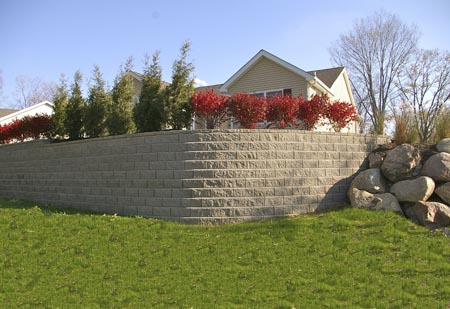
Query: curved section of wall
[(208, 176)]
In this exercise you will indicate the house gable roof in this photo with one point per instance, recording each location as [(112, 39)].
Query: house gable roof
[(328, 76), (263, 53), (6, 111), (17, 113), (139, 76)]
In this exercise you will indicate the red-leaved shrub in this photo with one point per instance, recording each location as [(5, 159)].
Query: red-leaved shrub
[(310, 111), (29, 127), (282, 111), (210, 107), (340, 114), (247, 109), (278, 111)]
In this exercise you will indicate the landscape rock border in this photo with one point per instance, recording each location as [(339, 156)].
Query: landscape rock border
[(406, 179)]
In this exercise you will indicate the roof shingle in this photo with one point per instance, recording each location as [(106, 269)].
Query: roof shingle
[(328, 76), (6, 111)]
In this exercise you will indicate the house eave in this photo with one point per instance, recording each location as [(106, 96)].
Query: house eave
[(25, 110), (254, 60)]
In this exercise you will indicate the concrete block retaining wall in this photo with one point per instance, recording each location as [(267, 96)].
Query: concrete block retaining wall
[(207, 176)]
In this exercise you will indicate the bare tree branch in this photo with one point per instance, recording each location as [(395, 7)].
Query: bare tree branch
[(373, 52), (30, 91), (425, 85)]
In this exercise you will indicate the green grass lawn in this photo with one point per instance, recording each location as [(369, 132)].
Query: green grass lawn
[(349, 258)]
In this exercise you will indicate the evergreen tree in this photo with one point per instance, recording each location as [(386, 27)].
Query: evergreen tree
[(60, 101), (73, 120), (98, 104), (179, 93), (149, 111), (120, 119)]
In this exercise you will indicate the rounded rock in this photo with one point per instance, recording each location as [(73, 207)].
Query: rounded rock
[(444, 192), (419, 189), (401, 163), (444, 145), (438, 167)]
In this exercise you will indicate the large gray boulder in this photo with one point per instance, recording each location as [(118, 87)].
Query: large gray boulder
[(375, 160), (444, 145), (438, 167), (419, 189), (444, 192), (401, 163), (365, 200), (430, 214), (369, 180)]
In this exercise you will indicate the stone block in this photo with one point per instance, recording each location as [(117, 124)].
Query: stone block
[(201, 193), (345, 172), (173, 183), (201, 174), (149, 157), (183, 174), (146, 192), (161, 212), (160, 147), (166, 156), (146, 212), (177, 147), (246, 155), (309, 199), (171, 202), (153, 201), (218, 192), (245, 173), (330, 172), (263, 192), (218, 202), (163, 192), (300, 209), (155, 183), (164, 174), (276, 164), (180, 212), (191, 202), (291, 200), (282, 211), (273, 200)]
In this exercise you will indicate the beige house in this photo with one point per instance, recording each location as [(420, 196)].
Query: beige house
[(267, 75), (9, 115), (137, 81)]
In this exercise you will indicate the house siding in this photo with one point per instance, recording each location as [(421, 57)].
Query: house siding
[(339, 90), (268, 75), (341, 93), (33, 110), (137, 87)]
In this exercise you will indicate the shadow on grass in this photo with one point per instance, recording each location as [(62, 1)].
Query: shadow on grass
[(14, 203)]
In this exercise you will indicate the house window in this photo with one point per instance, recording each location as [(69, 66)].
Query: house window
[(287, 91), (273, 93)]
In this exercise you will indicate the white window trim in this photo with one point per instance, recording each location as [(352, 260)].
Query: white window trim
[(266, 91)]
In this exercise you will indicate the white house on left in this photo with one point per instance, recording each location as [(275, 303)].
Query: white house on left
[(9, 115)]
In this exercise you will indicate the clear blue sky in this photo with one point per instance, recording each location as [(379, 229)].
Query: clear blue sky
[(43, 38)]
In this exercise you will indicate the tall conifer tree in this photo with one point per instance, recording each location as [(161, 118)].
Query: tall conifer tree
[(179, 93), (73, 120), (149, 111), (60, 101), (120, 120), (98, 104)]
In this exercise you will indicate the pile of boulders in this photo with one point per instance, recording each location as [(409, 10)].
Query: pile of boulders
[(402, 181)]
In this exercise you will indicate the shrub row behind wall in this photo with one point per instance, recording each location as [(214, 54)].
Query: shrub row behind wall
[(207, 176)]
